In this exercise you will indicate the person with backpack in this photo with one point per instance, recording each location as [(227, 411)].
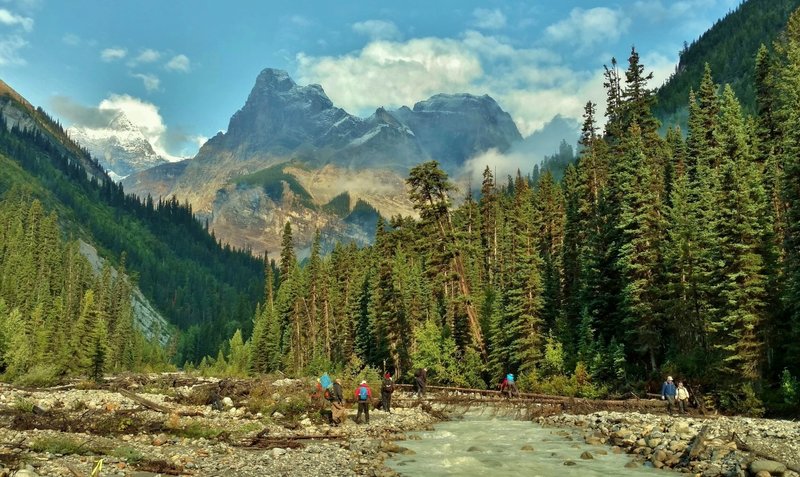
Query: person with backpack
[(421, 380), (387, 388), (363, 395), (334, 395)]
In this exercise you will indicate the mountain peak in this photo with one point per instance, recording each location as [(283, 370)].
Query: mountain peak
[(274, 79)]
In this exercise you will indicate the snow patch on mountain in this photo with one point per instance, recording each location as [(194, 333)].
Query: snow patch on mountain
[(120, 147)]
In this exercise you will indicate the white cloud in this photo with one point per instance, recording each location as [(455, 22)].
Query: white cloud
[(151, 82), (588, 28), (9, 50), (12, 19), (71, 39), (377, 29), (145, 56), (179, 63), (300, 21), (393, 74), (112, 54), (488, 19), (533, 85)]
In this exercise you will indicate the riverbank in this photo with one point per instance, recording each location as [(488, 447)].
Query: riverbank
[(711, 447), (163, 424)]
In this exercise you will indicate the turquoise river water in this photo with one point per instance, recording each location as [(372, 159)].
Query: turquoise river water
[(485, 446)]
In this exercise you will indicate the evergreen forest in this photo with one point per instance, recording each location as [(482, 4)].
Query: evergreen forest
[(653, 255), (198, 284)]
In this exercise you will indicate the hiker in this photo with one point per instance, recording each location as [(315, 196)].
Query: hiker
[(682, 394), (509, 386), (421, 380), (668, 391), (363, 395), (334, 395), (387, 388)]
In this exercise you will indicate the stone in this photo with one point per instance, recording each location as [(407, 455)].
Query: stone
[(160, 440), (26, 473), (767, 466), (587, 455), (527, 448), (474, 449), (712, 471), (763, 473), (569, 462), (227, 402), (594, 441), (659, 456), (277, 415), (632, 465), (277, 452)]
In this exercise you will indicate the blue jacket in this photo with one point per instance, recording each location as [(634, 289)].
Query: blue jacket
[(668, 389)]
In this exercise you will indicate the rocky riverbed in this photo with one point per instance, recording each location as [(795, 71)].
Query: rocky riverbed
[(708, 447), (277, 431)]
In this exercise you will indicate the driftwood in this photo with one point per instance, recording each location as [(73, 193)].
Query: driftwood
[(145, 402), (742, 445), (696, 448)]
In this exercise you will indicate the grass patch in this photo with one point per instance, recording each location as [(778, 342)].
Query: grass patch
[(24, 405), (130, 454), (65, 445), (196, 430)]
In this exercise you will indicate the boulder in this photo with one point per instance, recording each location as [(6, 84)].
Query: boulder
[(227, 402), (587, 455), (774, 468)]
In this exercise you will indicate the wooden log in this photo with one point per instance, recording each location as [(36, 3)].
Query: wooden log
[(145, 402)]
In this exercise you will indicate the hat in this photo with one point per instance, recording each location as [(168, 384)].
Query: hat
[(669, 378), (387, 375), (363, 382), (337, 381)]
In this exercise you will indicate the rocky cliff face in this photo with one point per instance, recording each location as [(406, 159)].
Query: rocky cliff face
[(120, 147), (290, 150)]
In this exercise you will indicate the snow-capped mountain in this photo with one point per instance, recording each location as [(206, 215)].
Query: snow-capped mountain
[(120, 147)]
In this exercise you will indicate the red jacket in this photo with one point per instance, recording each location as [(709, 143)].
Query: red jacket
[(369, 391)]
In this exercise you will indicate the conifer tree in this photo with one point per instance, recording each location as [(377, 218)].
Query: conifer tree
[(742, 291)]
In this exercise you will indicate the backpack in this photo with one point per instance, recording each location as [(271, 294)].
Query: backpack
[(510, 378), (388, 385), (362, 393), (329, 394)]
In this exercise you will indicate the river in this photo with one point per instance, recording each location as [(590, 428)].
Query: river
[(480, 445)]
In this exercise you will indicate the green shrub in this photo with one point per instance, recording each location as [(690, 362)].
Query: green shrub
[(790, 388), (40, 376)]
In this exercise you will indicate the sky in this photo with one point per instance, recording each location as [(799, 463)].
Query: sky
[(179, 69)]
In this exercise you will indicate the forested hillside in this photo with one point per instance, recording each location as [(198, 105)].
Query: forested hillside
[(653, 256), (202, 287), (729, 47)]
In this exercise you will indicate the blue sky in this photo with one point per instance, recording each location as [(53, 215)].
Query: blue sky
[(180, 69)]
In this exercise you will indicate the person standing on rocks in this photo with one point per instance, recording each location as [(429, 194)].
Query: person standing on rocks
[(668, 392), (363, 395), (387, 388), (338, 411), (682, 394), (421, 380)]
